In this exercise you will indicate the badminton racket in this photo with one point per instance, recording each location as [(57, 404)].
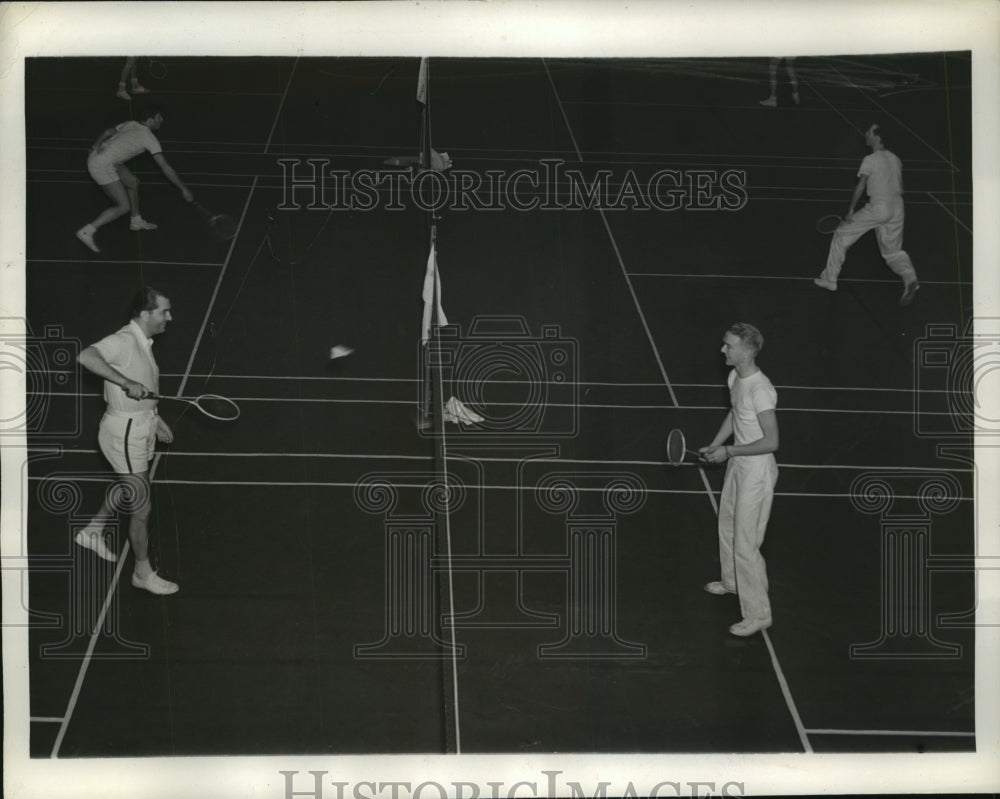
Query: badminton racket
[(222, 226), (677, 451), (157, 69), (385, 77), (828, 223), (212, 405)]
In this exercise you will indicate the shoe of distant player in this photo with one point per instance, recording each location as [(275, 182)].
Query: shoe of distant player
[(795, 97), (750, 626), (138, 223), (716, 587), (137, 89), (122, 94), (154, 584), (87, 237), (908, 291), (770, 102), (94, 541), (823, 283)]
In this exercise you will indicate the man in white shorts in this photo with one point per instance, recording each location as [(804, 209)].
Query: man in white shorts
[(881, 176), (751, 474), (129, 430), (106, 164)]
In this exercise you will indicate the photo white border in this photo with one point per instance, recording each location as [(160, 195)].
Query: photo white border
[(479, 28)]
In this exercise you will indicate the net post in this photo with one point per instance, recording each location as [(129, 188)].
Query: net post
[(433, 417)]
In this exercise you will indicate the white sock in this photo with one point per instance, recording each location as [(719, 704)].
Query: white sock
[(143, 569)]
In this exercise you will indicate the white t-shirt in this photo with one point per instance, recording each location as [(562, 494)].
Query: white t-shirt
[(129, 140), (131, 353), (885, 175), (750, 396)]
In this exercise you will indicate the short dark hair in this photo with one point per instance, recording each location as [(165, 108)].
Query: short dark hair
[(749, 335), (145, 300), (883, 133), (144, 112)]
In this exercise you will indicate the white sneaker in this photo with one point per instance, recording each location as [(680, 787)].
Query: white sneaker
[(750, 626), (137, 89), (141, 224), (94, 541), (716, 587), (122, 94), (87, 237), (823, 283), (770, 102), (154, 584)]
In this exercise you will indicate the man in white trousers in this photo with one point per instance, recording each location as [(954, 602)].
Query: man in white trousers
[(751, 474), (881, 177)]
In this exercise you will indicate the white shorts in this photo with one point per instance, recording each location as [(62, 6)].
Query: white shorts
[(102, 170), (128, 440)]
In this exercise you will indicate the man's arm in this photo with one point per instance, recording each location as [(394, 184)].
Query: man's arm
[(768, 421), (92, 359), (172, 176), (163, 431), (859, 190)]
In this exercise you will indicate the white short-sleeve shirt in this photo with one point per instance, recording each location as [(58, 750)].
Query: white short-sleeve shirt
[(750, 396), (131, 353), (129, 140), (885, 175)]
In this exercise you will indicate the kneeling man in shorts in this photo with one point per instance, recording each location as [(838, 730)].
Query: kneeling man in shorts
[(130, 429)]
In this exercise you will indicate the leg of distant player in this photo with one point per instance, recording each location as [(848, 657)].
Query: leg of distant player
[(845, 235), (890, 245), (129, 80), (125, 193), (790, 66), (131, 184), (772, 99)]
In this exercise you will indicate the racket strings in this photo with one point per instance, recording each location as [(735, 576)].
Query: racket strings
[(675, 447), (223, 226), (828, 223), (217, 407)]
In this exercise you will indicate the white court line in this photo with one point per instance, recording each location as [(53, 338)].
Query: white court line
[(898, 121), (85, 664), (352, 484), (92, 261), (92, 644), (281, 105), (779, 277), (833, 108), (800, 728), (711, 494), (607, 462), (583, 405), (902, 733), (606, 384), (614, 245), (949, 212), (46, 719)]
